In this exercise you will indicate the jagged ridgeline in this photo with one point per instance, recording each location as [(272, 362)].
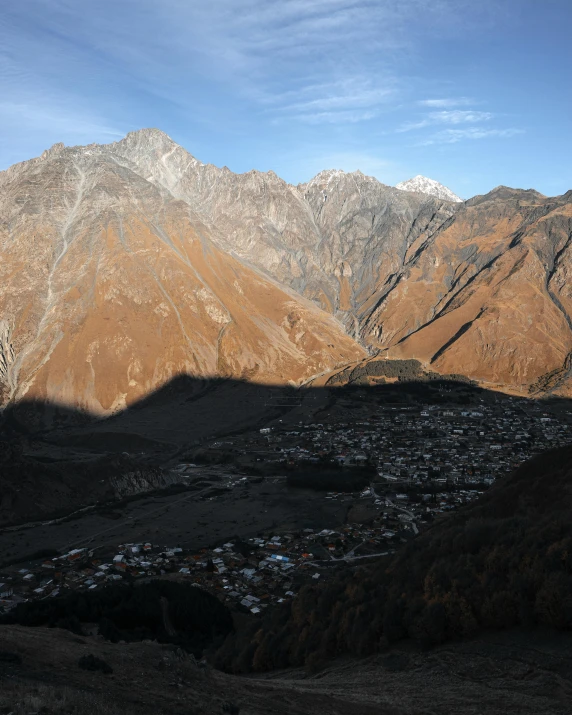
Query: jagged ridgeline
[(149, 264)]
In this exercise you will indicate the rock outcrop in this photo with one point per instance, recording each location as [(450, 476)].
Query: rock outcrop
[(35, 490)]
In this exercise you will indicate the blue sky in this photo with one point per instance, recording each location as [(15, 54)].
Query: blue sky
[(471, 93)]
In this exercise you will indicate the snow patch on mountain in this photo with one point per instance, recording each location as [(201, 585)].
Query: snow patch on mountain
[(422, 185)]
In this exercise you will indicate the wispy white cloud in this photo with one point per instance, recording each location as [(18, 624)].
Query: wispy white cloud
[(343, 117), (447, 102), (348, 101), (459, 116), (455, 116), (238, 67), (34, 108), (284, 50), (453, 136), (351, 95), (269, 52)]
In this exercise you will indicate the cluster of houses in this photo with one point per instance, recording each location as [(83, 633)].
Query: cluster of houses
[(252, 573), (425, 461), (421, 444)]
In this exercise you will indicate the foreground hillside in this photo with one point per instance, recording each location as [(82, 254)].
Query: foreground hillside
[(471, 616), (475, 587), (499, 563), (39, 672)]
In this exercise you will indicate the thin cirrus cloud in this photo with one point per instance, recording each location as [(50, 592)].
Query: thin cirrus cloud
[(352, 95), (450, 102), (312, 61), (55, 116), (270, 53), (453, 136), (336, 117), (349, 101), (456, 116)]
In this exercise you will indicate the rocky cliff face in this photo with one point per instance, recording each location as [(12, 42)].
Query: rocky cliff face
[(142, 481), (366, 230), (335, 240), (126, 264)]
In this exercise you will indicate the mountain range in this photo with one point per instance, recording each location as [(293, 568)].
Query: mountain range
[(124, 265)]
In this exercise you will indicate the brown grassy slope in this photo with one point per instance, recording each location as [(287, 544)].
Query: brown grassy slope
[(488, 296)]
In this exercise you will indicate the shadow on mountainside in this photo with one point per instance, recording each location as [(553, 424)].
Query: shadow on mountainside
[(54, 459)]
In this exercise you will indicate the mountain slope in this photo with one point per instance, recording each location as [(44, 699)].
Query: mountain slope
[(465, 288), (489, 296), (529, 676), (111, 286), (148, 263), (423, 185), (335, 240)]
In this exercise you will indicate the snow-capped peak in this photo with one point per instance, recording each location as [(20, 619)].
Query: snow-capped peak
[(423, 185)]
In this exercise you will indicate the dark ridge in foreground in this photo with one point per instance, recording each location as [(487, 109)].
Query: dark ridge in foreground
[(40, 671), (503, 562)]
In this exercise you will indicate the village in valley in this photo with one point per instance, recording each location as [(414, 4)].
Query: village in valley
[(403, 466)]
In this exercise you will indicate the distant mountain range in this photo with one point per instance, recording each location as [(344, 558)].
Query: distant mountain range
[(126, 264)]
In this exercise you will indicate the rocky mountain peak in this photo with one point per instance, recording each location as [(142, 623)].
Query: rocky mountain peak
[(423, 185), (158, 158), (507, 194), (146, 143), (326, 176), (55, 149), (330, 177), (150, 135), (503, 192)]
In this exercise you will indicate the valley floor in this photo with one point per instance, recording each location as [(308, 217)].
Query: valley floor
[(191, 519)]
